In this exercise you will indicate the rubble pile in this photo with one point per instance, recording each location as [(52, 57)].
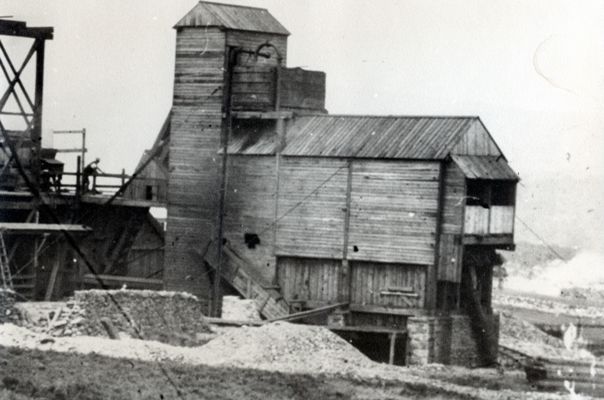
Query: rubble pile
[(7, 306), (168, 317), (235, 308), (53, 318), (285, 347)]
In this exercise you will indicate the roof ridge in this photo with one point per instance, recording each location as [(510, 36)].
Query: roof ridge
[(231, 5), (393, 116)]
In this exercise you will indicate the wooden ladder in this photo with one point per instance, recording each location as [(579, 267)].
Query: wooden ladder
[(7, 280), (239, 275)]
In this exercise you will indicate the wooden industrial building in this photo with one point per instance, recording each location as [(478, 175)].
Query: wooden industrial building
[(381, 227), (388, 219)]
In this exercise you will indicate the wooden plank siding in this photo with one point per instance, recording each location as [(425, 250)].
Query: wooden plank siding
[(309, 279), (312, 200), (373, 284), (251, 40), (476, 142), (195, 133), (501, 219), (393, 211), (254, 88), (250, 208)]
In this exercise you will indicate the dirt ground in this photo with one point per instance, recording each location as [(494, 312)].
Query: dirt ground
[(35, 374)]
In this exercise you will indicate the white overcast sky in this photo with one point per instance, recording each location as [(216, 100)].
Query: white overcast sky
[(532, 70)]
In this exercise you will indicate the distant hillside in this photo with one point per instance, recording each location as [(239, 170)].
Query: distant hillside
[(528, 258), (537, 269), (564, 211)]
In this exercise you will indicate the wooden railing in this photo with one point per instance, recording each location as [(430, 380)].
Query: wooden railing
[(494, 220), (140, 188)]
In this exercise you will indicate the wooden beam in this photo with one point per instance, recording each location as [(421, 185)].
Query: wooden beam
[(114, 279), (229, 322), (432, 272), (392, 348), (19, 28), (55, 272), (387, 310), (36, 131), (309, 313), (263, 115), (501, 240), (366, 329), (24, 228), (345, 281)]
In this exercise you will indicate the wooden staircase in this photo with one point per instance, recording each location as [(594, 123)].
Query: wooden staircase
[(237, 272)]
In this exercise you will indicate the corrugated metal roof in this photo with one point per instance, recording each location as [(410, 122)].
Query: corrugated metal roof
[(485, 167), (421, 137), (231, 16)]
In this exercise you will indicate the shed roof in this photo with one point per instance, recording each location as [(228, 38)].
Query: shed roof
[(396, 137), (229, 16), (485, 167)]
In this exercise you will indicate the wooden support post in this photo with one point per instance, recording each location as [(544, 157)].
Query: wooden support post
[(55, 271), (392, 348), (36, 132), (432, 272), (344, 284), (248, 288)]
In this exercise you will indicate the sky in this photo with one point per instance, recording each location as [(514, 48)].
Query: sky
[(532, 70)]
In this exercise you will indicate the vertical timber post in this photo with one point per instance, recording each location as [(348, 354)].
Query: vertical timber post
[(345, 284), (432, 278), (231, 59), (36, 132)]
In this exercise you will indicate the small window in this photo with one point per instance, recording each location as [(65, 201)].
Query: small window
[(478, 193), (502, 193), (149, 192)]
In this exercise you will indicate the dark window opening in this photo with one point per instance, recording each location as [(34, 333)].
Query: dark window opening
[(149, 192), (251, 240), (503, 193), (478, 193), (490, 193)]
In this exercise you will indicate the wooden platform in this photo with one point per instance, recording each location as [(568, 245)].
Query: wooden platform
[(22, 200), (23, 228)]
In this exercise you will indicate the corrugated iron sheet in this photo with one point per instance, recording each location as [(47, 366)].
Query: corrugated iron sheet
[(232, 17), (375, 137), (428, 138), (485, 167)]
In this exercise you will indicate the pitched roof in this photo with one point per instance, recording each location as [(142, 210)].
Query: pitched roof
[(396, 137), (229, 16), (485, 167)]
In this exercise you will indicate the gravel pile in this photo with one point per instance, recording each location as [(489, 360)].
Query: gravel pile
[(235, 308), (286, 347)]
